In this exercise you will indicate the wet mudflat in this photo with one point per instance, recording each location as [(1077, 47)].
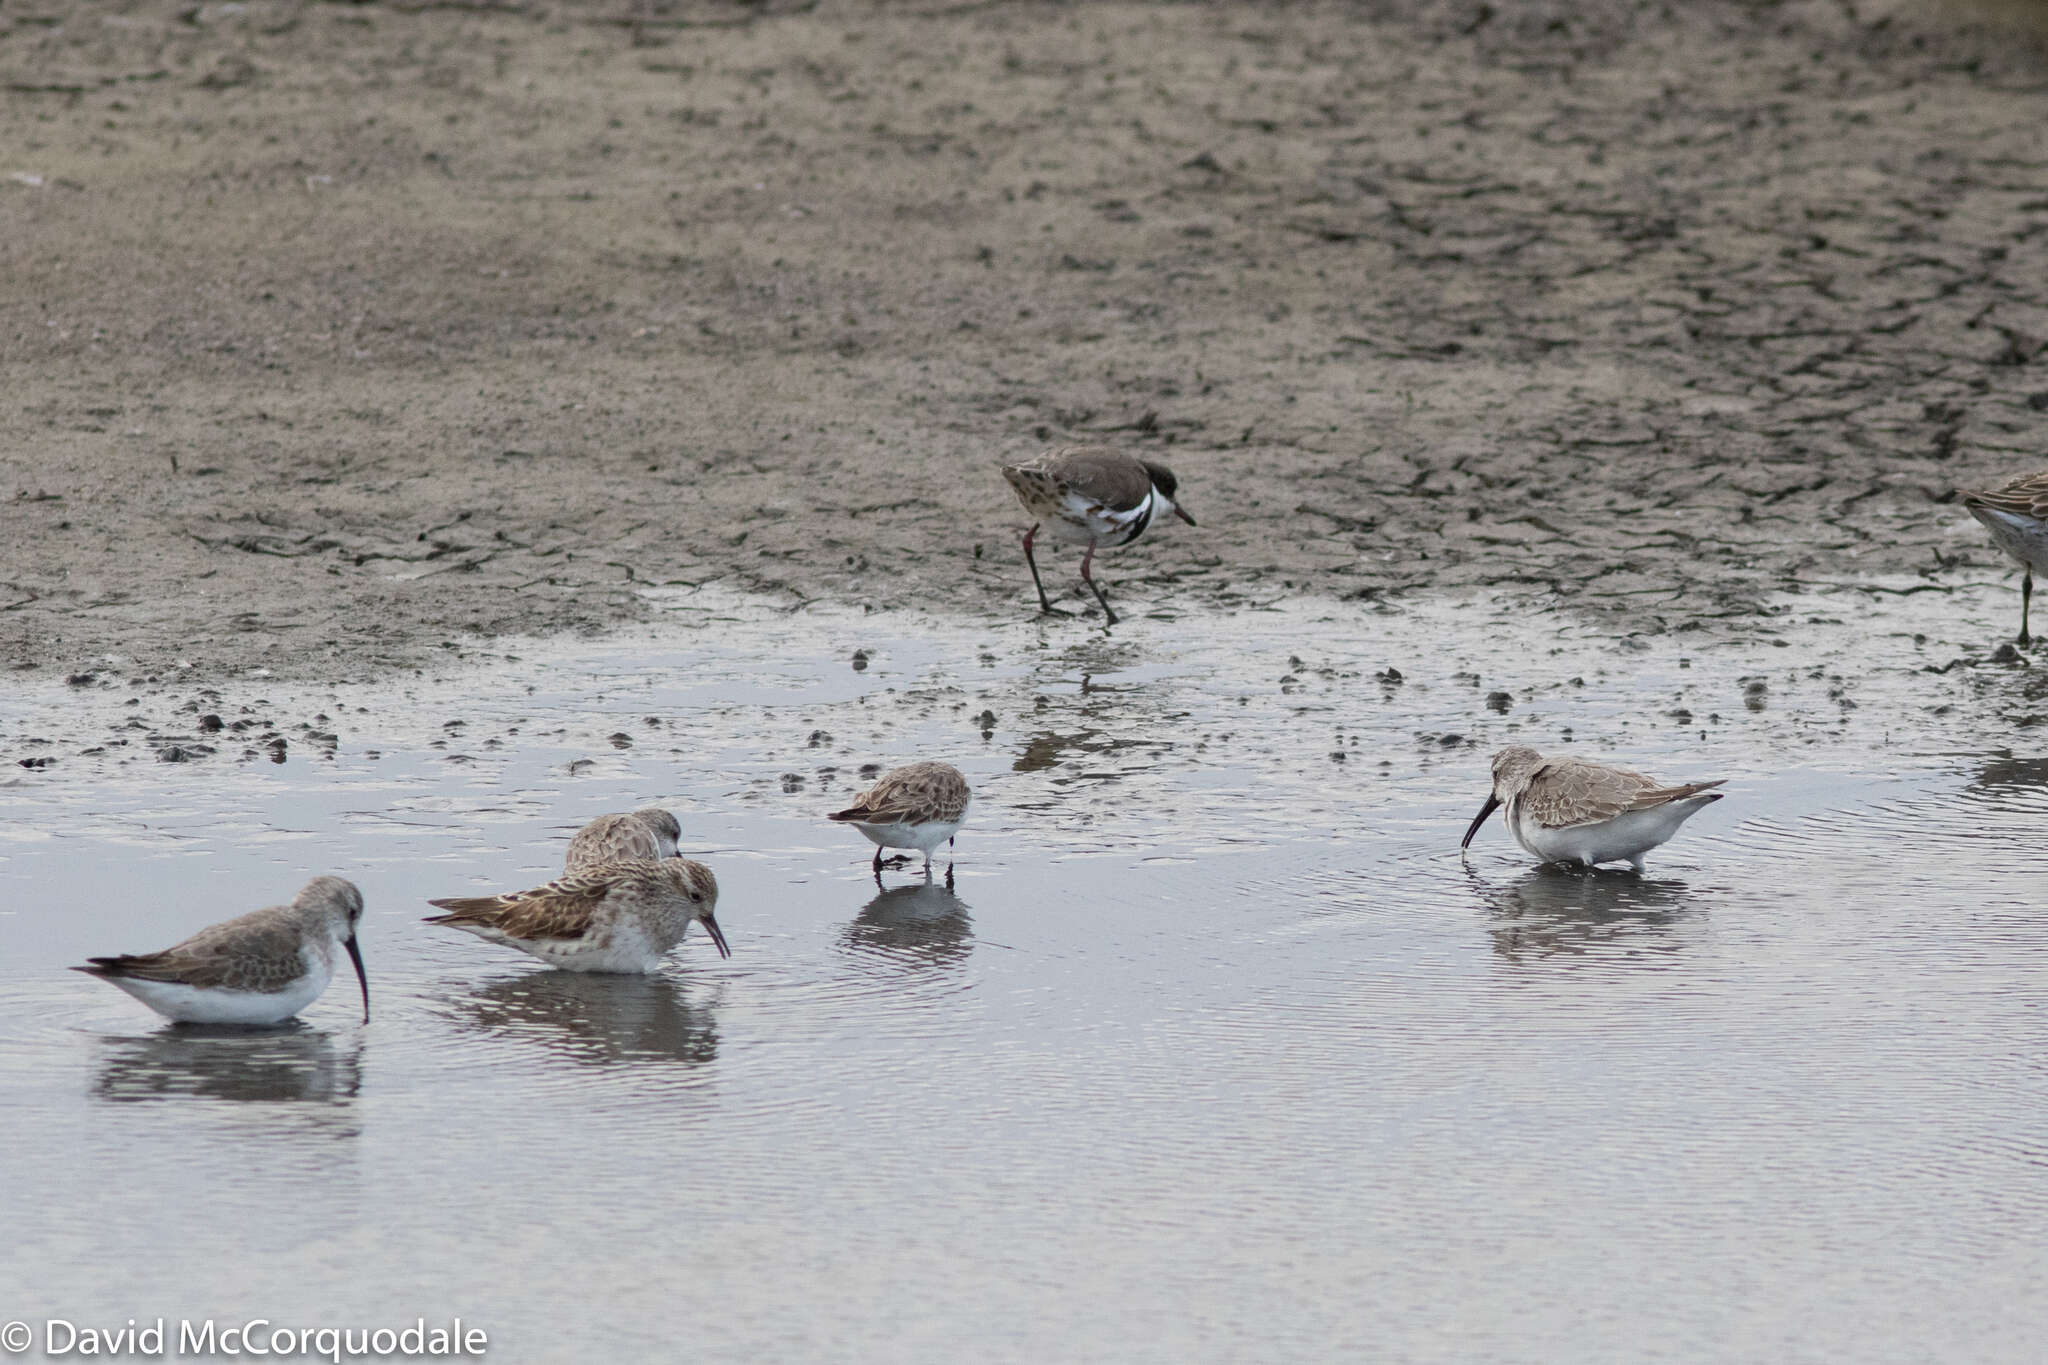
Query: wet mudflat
[(1217, 1048)]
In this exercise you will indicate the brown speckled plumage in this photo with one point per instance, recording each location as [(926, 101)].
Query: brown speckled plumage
[(2016, 514), (617, 916), (915, 794), (650, 833), (2026, 496)]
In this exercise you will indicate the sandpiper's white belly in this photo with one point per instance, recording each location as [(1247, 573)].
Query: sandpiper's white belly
[(1626, 837), (216, 1005), (624, 946), (924, 838), (2024, 538)]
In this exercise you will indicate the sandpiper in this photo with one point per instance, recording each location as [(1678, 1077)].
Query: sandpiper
[(650, 833), (2016, 514), (259, 968), (1093, 496), (920, 806), (1566, 810), (608, 917)]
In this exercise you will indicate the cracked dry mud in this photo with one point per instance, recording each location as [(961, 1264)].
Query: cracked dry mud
[(335, 331)]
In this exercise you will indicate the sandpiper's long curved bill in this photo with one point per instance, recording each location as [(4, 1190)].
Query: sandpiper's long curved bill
[(717, 935), (355, 955), (1492, 804)]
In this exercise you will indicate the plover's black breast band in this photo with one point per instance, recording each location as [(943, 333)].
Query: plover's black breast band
[(1138, 523)]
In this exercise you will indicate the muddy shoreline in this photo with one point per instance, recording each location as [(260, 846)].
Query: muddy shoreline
[(341, 335)]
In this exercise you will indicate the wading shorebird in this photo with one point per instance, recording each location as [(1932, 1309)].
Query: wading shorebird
[(920, 806), (259, 968), (609, 917), (2016, 514), (1093, 496), (649, 833), (1566, 810)]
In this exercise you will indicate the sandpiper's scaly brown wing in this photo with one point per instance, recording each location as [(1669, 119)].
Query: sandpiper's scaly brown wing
[(1567, 792), (2026, 496), (916, 793), (650, 833), (563, 909), (259, 951)]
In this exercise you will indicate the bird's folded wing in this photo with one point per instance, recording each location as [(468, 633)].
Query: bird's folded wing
[(564, 908), (2026, 497)]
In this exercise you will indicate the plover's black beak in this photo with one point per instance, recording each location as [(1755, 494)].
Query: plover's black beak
[(355, 955), (1492, 803), (717, 934), (1182, 513)]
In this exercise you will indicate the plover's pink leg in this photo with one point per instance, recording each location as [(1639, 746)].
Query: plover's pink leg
[(1086, 560), (1044, 602)]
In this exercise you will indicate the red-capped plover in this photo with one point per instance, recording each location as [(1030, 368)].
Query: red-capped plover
[(1566, 810), (2016, 514), (1093, 496), (920, 806), (610, 917), (259, 968), (648, 833)]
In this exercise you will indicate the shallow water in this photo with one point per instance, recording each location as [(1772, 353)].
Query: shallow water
[(1217, 1049)]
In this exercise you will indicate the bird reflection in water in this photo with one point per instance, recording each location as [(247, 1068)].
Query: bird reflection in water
[(595, 1018), (925, 925), (215, 1062), (2006, 778), (1604, 915)]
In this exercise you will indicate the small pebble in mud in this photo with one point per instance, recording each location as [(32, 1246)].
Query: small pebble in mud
[(82, 679), (277, 749), (1499, 702), (860, 661), (209, 723), (817, 739), (1681, 715), (653, 722), (1448, 740), (182, 753), (868, 770), (2005, 654), (43, 762), (1336, 755), (1390, 676), (621, 740), (792, 782)]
